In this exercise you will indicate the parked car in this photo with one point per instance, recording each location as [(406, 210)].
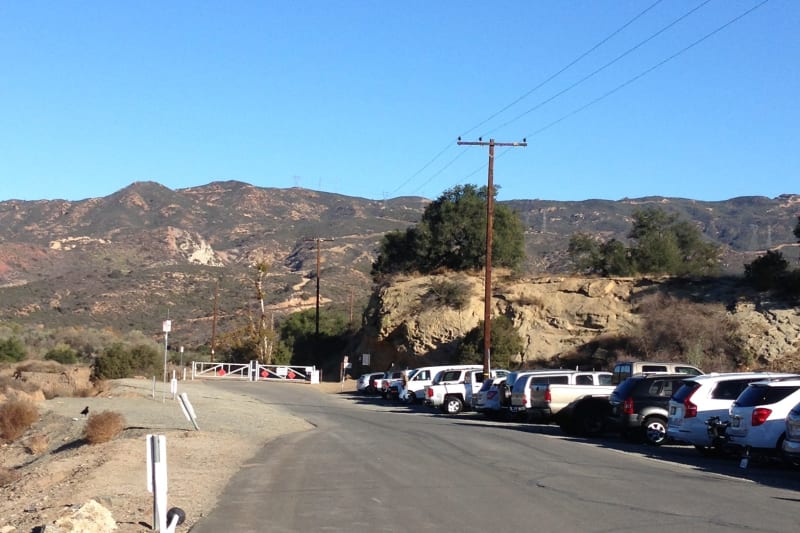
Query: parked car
[(791, 444), (366, 382), (703, 397), (521, 390), (640, 406), (758, 416), (487, 401), (417, 379), (454, 386), (386, 383), (555, 401), (626, 369)]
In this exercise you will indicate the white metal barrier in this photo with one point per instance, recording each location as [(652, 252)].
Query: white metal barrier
[(254, 371)]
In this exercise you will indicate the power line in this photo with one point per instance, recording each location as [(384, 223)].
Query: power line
[(550, 78), (564, 69), (631, 80), (601, 69)]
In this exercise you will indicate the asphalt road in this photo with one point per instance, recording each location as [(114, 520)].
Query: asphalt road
[(373, 466)]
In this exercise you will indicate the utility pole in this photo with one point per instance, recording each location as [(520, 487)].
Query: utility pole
[(214, 321), (487, 305), (318, 240)]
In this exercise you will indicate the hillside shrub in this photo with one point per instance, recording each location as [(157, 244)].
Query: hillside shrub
[(506, 343), (103, 426), (16, 417), (37, 444), (119, 361), (703, 335), (12, 350), (767, 271), (63, 354), (450, 293)]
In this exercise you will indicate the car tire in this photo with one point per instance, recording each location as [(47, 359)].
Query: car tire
[(452, 405), (655, 430), (411, 397)]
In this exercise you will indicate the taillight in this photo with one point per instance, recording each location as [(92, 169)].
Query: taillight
[(627, 406), (491, 394), (760, 415), (689, 409), (524, 399), (429, 392), (547, 396)]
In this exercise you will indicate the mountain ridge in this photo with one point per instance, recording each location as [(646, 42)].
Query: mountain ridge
[(126, 259)]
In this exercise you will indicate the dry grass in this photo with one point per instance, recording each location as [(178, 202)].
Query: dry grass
[(15, 419), (8, 476), (103, 426), (37, 444)]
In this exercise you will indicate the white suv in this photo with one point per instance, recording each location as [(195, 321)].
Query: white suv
[(702, 397), (758, 416)]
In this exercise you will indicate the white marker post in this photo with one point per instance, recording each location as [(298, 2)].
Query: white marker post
[(157, 479), (173, 385), (188, 410)]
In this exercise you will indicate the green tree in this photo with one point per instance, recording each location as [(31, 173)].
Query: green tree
[(298, 334), (584, 252), (506, 342), (12, 350), (452, 235), (767, 271), (663, 244), (797, 229)]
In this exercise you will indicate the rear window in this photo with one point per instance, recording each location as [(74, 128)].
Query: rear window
[(690, 370), (730, 390), (653, 368), (625, 388), (685, 391), (755, 395), (450, 375)]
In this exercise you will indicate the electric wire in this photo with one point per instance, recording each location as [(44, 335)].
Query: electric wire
[(602, 68), (628, 81), (550, 78)]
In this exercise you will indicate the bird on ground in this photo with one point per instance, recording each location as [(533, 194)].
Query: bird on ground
[(85, 411)]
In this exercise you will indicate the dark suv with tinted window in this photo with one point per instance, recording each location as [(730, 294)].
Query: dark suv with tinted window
[(640, 406)]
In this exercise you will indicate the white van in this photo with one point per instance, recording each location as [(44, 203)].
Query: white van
[(416, 380)]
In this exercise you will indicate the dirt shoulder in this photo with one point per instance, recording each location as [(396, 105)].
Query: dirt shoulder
[(69, 473)]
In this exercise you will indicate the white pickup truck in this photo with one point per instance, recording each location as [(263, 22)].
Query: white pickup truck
[(449, 392), (579, 405)]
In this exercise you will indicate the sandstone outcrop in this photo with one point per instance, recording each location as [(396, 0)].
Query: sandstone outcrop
[(555, 315)]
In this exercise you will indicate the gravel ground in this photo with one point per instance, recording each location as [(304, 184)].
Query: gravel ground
[(70, 472)]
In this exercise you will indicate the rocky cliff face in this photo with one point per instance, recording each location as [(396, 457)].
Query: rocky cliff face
[(408, 321)]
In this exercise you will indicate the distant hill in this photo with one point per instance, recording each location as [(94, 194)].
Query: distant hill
[(128, 259)]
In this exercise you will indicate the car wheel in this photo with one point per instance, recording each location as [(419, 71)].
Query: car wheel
[(655, 430), (453, 405), (411, 397)]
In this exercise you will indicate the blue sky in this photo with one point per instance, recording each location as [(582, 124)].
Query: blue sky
[(367, 98)]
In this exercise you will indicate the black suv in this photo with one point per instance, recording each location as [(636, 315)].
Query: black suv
[(640, 406)]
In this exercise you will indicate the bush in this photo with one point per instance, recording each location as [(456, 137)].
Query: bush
[(766, 272), (102, 427), (63, 354), (450, 293), (506, 343), (699, 334), (15, 419), (118, 361), (12, 350), (37, 444)]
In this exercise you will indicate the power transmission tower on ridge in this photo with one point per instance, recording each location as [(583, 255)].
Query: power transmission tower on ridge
[(487, 305)]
